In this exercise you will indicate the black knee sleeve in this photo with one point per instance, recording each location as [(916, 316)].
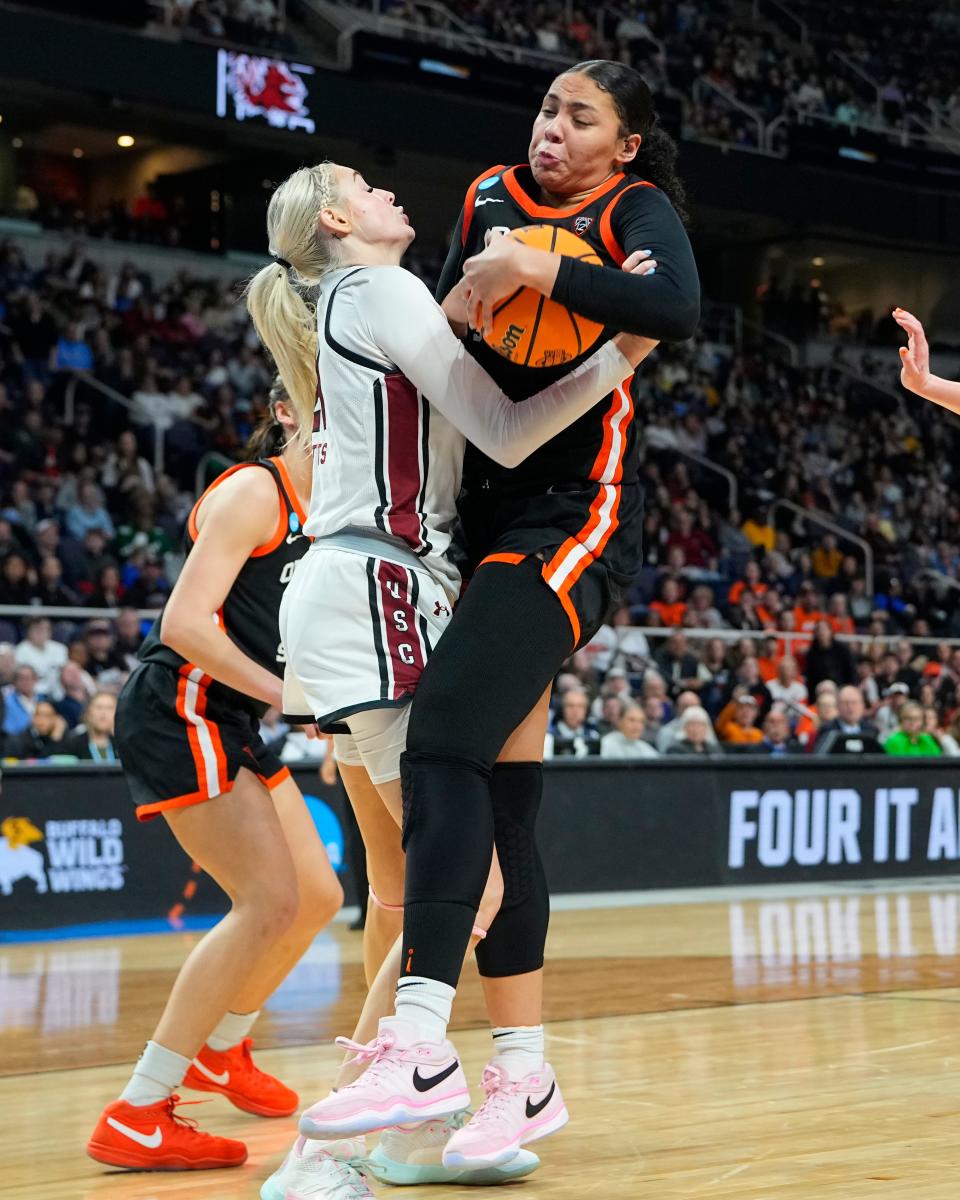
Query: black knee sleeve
[(515, 941), (448, 834)]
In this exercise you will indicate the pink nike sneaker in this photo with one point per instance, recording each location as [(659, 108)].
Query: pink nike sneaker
[(406, 1082), (515, 1112)]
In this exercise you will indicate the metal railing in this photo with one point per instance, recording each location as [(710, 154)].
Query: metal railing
[(703, 84), (709, 465), (941, 580), (816, 517), (62, 612), (780, 14), (70, 405), (200, 483), (453, 34)]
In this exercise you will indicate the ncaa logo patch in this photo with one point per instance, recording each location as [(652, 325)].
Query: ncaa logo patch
[(294, 523), (488, 183)]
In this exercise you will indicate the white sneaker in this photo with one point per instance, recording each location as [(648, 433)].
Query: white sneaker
[(406, 1082), (320, 1171), (405, 1157)]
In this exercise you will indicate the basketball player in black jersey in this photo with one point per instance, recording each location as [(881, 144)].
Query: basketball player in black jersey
[(187, 733), (554, 541)]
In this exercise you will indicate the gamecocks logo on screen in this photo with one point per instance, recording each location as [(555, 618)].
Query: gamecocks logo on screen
[(249, 85)]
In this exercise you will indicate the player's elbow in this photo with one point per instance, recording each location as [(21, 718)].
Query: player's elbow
[(509, 455), (178, 629), (679, 320)]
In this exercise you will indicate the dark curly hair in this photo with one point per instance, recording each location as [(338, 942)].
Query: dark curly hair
[(656, 159)]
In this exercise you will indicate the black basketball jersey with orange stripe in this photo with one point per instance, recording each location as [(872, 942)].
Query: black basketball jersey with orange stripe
[(249, 614), (583, 485)]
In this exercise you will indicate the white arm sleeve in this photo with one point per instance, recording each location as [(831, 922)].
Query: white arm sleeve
[(410, 328)]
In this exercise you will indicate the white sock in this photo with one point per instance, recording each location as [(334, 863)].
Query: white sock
[(231, 1030), (518, 1049), (157, 1075), (426, 1004)]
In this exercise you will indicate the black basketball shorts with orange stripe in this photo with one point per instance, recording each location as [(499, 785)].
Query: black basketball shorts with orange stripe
[(182, 742), (587, 538)]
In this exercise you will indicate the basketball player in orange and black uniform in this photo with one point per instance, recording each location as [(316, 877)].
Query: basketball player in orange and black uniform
[(187, 733), (553, 543)]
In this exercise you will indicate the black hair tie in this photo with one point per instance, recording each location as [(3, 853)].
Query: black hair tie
[(282, 262)]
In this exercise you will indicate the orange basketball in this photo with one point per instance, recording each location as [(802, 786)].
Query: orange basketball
[(533, 331)]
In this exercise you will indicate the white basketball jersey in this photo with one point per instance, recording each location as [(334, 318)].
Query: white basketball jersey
[(384, 459)]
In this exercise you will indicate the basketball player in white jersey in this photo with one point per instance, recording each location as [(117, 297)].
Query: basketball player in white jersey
[(397, 394)]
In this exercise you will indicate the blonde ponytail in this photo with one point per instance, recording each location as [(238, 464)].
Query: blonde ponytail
[(278, 296)]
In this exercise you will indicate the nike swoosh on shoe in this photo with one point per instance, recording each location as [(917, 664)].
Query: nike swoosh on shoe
[(222, 1079), (534, 1110), (424, 1085), (150, 1140)]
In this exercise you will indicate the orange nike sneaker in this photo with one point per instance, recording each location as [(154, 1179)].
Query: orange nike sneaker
[(153, 1137), (234, 1074)]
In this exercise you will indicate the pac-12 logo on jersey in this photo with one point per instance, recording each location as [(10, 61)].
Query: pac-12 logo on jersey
[(581, 225)]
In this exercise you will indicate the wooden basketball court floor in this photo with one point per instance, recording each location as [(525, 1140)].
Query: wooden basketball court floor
[(803, 1042)]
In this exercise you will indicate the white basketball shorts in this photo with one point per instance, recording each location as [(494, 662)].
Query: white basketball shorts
[(358, 631)]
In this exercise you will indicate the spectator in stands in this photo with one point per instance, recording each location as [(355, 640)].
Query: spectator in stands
[(716, 674), (129, 636), (619, 644), (627, 740), (610, 712), (678, 666), (838, 614), (19, 700), (47, 657), (50, 590), (907, 672), (653, 712), (747, 679), (702, 612), (758, 530), (573, 734), (42, 736), (71, 352), (737, 724), (751, 581), (125, 469), (698, 547), (787, 687), (673, 730), (89, 513), (94, 741), (17, 580), (694, 734), (910, 738), (808, 612), (850, 721), (829, 659), (944, 739), (150, 588), (670, 608), (777, 738), (77, 687), (826, 559), (102, 653), (887, 716), (34, 332), (749, 613)]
